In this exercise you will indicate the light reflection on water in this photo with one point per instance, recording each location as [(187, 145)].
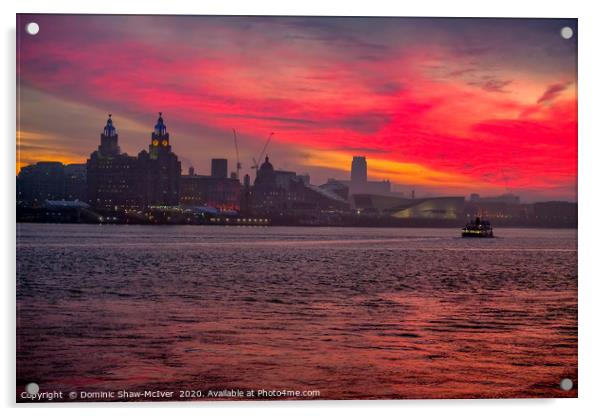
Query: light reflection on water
[(352, 312)]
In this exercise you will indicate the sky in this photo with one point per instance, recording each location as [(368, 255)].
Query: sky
[(440, 106)]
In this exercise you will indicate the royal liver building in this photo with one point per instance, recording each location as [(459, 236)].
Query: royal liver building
[(116, 180)]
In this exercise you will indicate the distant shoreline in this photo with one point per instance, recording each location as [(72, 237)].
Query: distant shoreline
[(450, 227)]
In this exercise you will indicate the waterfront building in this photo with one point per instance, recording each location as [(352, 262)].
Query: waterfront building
[(222, 193), (359, 183), (555, 213), (112, 176), (305, 178), (118, 181), (75, 182), (439, 208), (40, 182), (506, 207), (284, 193), (219, 168), (159, 170), (508, 198), (359, 171), (45, 181), (337, 187)]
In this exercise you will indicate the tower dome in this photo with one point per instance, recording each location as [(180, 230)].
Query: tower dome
[(109, 129), (160, 127), (266, 166)]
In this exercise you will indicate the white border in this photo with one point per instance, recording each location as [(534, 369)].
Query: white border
[(590, 191)]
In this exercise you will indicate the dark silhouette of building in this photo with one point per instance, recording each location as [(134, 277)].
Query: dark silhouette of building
[(51, 181), (245, 197), (359, 183), (337, 187), (75, 182), (40, 182), (159, 170), (506, 207), (117, 181), (555, 213), (219, 168), (359, 170), (504, 199), (218, 192), (279, 193), (112, 177), (265, 194), (305, 178), (50, 191)]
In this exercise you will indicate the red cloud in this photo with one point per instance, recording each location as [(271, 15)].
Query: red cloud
[(316, 98), (552, 92)]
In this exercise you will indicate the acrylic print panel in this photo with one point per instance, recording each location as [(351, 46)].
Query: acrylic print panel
[(295, 208)]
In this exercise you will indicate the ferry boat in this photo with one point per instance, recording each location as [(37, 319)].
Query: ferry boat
[(478, 228)]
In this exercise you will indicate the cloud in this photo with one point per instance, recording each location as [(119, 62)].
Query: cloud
[(419, 92), (553, 91), (495, 85), (491, 84)]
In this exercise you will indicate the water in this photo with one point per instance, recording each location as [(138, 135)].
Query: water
[(356, 313)]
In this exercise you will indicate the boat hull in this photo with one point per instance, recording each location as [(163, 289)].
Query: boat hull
[(477, 234)]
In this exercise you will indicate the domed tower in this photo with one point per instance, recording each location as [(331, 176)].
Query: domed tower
[(159, 139), (109, 146), (265, 174), (266, 166), (111, 176), (160, 169)]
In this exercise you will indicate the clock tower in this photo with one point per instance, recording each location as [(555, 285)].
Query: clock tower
[(159, 170), (159, 139)]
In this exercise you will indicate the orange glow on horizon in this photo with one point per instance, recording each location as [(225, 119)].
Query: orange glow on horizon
[(411, 174), (430, 103)]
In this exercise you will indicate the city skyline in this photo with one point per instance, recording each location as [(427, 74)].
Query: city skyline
[(463, 113)]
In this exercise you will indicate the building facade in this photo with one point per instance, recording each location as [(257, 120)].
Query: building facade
[(219, 168), (118, 181), (359, 183), (283, 193), (359, 170), (159, 170), (111, 176), (75, 182), (224, 194), (40, 182)]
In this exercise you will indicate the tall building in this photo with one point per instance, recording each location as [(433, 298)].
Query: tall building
[(159, 169), (359, 170), (109, 145), (219, 168), (359, 183), (265, 177), (117, 181), (112, 179)]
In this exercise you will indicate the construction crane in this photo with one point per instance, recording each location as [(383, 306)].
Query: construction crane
[(238, 165), (265, 146)]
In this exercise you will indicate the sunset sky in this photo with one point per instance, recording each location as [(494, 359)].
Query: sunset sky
[(442, 106)]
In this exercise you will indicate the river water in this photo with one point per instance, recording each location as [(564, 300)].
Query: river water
[(354, 313)]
